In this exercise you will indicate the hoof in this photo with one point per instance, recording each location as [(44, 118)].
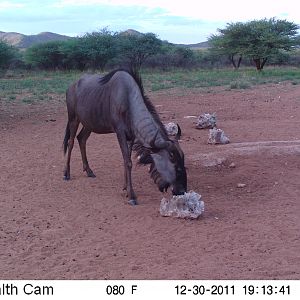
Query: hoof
[(66, 178), (91, 175), (132, 202)]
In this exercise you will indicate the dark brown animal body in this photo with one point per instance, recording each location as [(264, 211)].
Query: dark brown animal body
[(116, 103)]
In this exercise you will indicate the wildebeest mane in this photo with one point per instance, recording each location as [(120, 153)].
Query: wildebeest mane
[(137, 78), (142, 152)]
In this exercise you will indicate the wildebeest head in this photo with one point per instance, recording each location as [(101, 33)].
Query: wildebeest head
[(166, 166)]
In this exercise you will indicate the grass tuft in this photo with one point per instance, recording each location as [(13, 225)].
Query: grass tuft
[(46, 86)]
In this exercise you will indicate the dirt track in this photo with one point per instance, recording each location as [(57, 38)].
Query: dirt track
[(84, 229)]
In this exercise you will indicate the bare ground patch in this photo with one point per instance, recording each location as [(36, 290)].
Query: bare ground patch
[(84, 229)]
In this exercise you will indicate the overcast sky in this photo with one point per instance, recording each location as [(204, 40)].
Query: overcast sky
[(185, 21)]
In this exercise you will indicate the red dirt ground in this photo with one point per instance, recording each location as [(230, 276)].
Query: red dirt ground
[(84, 228)]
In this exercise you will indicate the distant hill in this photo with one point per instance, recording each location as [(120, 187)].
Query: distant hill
[(131, 32), (202, 45), (25, 41)]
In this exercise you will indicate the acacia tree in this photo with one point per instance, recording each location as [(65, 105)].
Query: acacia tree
[(267, 38), (7, 54), (228, 43), (137, 48), (99, 47), (45, 55), (74, 54), (257, 40)]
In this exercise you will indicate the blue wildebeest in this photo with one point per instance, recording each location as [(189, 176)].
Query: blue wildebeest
[(116, 103)]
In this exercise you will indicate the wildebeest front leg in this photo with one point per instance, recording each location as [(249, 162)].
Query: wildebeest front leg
[(82, 138), (129, 145), (126, 153)]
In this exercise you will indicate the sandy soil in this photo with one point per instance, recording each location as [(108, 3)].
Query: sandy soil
[(84, 228)]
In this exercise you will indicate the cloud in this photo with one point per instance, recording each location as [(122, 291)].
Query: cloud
[(6, 5), (79, 19), (214, 10), (186, 21)]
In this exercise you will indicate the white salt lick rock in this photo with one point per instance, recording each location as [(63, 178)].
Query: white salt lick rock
[(217, 136), (206, 121), (188, 206), (171, 128)]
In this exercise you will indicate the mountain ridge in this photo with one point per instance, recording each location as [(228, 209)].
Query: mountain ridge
[(24, 41)]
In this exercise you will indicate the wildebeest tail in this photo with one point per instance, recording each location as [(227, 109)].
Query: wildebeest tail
[(66, 139)]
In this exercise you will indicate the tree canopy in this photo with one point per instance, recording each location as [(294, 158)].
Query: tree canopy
[(98, 48), (253, 42), (7, 54), (94, 50), (137, 48), (258, 40), (45, 55)]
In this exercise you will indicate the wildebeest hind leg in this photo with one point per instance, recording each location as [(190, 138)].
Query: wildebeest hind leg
[(73, 126), (82, 138)]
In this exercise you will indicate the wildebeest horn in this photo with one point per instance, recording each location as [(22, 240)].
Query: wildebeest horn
[(178, 135), (159, 144), (153, 143)]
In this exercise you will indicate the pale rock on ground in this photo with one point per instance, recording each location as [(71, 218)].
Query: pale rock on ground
[(188, 206), (171, 128), (217, 136), (206, 121)]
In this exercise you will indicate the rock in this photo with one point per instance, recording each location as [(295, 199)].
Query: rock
[(188, 206), (206, 121), (171, 128), (217, 136), (232, 165), (213, 162), (189, 117), (241, 185)]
